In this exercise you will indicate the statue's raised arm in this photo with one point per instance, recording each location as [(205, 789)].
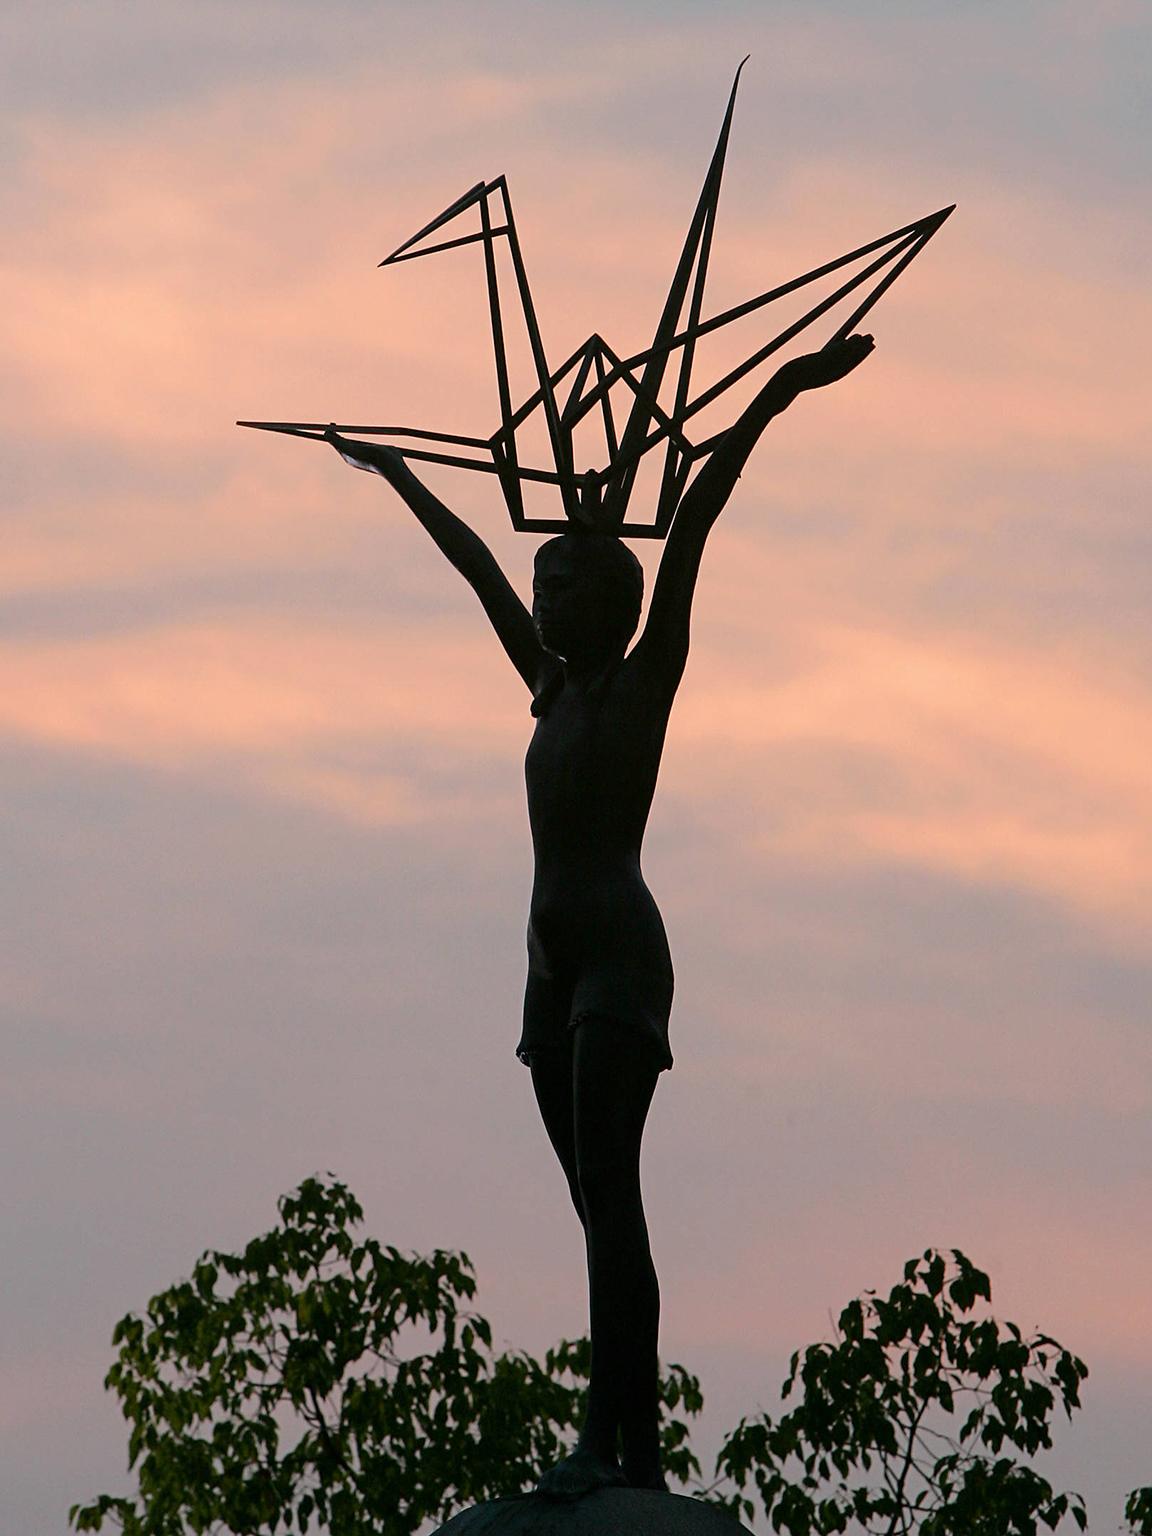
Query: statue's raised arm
[(464, 548), (663, 648)]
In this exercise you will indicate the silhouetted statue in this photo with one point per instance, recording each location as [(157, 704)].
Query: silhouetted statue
[(599, 988)]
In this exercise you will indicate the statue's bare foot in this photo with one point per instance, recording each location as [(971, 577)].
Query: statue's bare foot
[(582, 1472)]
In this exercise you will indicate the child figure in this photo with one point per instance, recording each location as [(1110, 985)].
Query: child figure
[(599, 988)]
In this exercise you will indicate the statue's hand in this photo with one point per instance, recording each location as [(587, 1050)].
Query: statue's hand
[(831, 363), (377, 456)]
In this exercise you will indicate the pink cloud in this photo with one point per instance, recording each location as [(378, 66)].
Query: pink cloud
[(1011, 766), (172, 282), (178, 694), (209, 272)]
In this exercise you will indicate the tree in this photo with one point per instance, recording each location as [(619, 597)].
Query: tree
[(873, 1439), (316, 1380)]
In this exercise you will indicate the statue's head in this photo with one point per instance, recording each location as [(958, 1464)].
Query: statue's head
[(587, 590)]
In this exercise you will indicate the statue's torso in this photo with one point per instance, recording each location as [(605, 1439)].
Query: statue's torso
[(591, 772)]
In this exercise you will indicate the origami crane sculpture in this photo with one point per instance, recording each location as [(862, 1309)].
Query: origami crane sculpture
[(589, 379)]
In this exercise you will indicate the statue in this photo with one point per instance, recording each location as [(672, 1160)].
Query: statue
[(599, 985)]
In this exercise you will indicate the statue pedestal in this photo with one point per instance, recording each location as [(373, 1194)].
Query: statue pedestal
[(608, 1512)]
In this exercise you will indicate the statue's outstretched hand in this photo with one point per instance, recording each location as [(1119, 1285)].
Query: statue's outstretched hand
[(376, 456), (833, 362)]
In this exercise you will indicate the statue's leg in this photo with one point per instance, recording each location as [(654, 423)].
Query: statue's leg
[(552, 1084), (594, 1462), (614, 1080)]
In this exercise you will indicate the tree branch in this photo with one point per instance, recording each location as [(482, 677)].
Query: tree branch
[(914, 1425)]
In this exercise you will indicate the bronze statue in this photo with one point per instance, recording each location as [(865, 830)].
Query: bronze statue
[(599, 987)]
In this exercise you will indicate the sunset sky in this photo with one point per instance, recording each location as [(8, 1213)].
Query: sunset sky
[(266, 863)]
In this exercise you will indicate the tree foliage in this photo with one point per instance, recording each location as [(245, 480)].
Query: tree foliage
[(873, 1444), (1138, 1511), (319, 1381)]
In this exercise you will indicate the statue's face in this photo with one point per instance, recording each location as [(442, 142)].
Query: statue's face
[(572, 607), (563, 595)]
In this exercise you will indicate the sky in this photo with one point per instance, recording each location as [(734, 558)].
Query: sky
[(265, 860)]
